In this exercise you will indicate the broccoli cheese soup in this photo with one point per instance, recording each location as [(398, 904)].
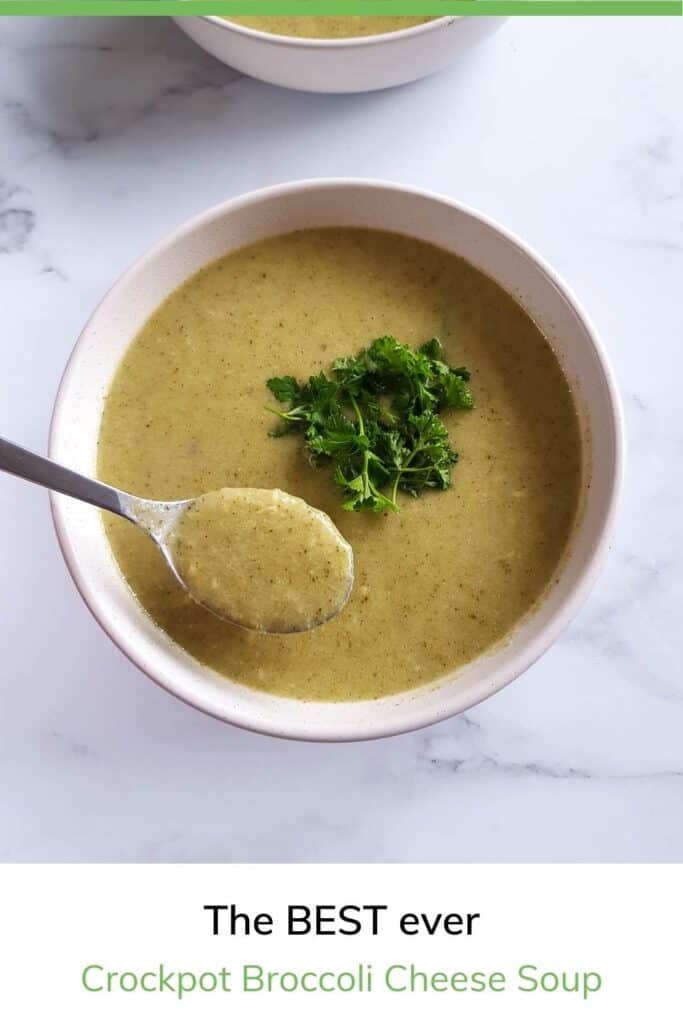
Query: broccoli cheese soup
[(327, 27), (438, 583), (262, 559)]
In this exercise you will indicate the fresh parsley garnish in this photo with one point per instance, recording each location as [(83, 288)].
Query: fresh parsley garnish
[(375, 418)]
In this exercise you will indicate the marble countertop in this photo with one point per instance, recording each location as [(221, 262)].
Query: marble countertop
[(569, 131)]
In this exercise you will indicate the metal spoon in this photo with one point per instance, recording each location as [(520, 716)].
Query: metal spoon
[(156, 518)]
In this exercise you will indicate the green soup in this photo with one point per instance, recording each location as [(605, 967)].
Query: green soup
[(262, 559), (328, 28), (437, 584)]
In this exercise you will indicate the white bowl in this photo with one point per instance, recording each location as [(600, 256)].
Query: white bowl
[(238, 222), (357, 64)]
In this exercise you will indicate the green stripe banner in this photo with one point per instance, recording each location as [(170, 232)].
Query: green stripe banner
[(73, 8)]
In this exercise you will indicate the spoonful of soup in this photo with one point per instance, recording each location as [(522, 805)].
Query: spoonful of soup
[(261, 559)]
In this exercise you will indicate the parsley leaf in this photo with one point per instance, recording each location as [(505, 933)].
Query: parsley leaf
[(376, 419)]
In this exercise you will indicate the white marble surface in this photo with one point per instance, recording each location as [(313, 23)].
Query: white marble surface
[(568, 131)]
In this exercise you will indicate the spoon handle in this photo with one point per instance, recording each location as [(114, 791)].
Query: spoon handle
[(39, 470)]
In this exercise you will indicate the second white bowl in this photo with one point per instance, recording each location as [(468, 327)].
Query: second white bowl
[(357, 64)]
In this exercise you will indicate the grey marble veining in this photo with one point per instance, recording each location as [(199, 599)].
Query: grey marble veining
[(568, 131)]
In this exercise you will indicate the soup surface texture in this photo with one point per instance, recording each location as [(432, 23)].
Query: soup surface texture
[(329, 28), (435, 585), (262, 559)]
